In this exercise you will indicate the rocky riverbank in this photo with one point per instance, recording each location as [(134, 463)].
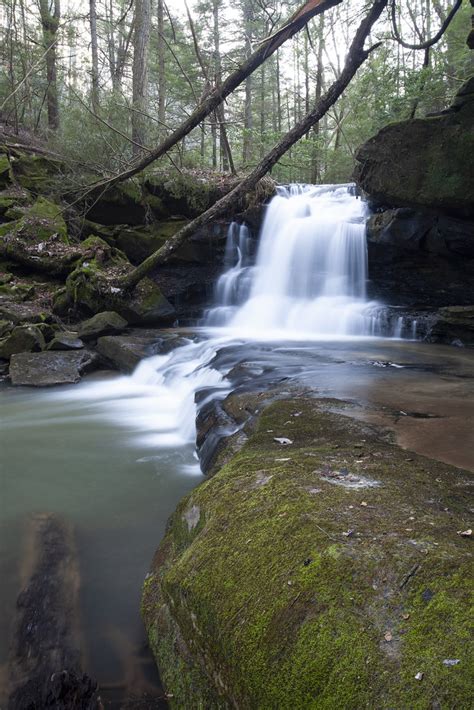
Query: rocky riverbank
[(61, 264)]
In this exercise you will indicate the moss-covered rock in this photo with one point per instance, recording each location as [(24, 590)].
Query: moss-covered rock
[(94, 285), (5, 171), (325, 573), (34, 171), (424, 162), (105, 323), (40, 221), (453, 324), (14, 199), (25, 338), (121, 204), (141, 242)]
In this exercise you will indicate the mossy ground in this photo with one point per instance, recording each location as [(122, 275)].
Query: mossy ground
[(276, 588)]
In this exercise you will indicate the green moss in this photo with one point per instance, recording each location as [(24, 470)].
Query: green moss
[(281, 587), (5, 173), (35, 172), (42, 220)]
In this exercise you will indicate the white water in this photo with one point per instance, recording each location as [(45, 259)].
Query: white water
[(311, 269), (308, 282)]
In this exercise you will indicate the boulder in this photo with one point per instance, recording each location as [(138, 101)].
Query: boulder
[(27, 312), (102, 324), (39, 222), (35, 171), (423, 162), (50, 368), (5, 172), (124, 352), (95, 286), (452, 325), (65, 341), (121, 204), (23, 338), (320, 567)]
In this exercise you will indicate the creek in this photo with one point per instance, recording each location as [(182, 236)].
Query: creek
[(114, 454)]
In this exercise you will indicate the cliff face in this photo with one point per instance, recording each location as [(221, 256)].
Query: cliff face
[(425, 162), (419, 177)]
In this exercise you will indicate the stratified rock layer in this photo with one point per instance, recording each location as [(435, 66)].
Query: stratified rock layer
[(325, 573)]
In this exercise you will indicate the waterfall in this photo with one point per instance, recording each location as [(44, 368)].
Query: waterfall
[(311, 268)]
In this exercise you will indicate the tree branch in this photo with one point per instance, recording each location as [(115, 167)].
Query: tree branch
[(355, 58)]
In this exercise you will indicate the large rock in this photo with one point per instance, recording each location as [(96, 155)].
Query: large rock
[(425, 162), (102, 324), (124, 352), (23, 338), (37, 172), (50, 368), (121, 204), (321, 567)]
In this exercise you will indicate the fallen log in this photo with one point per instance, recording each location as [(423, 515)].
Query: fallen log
[(357, 55), (45, 660)]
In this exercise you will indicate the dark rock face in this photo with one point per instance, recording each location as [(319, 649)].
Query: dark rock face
[(424, 162), (50, 368), (453, 325)]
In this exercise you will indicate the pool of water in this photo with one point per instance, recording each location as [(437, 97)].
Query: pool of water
[(104, 455)]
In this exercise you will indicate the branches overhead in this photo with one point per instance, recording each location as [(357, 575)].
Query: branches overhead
[(355, 58), (430, 42), (219, 93)]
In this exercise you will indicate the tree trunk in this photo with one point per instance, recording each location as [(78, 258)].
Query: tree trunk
[(248, 118), (219, 94), (50, 24), (355, 58), (95, 56), (161, 70), (140, 74)]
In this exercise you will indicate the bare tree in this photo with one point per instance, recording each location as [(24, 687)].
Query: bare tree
[(95, 55), (141, 40), (50, 14)]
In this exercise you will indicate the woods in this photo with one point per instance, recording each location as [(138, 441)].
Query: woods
[(153, 76)]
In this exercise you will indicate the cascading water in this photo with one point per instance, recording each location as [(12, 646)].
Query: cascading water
[(309, 281), (311, 269)]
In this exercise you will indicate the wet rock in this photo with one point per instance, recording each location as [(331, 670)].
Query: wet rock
[(453, 325), (65, 341), (103, 323), (44, 661), (46, 369), (125, 352), (278, 597), (22, 339), (427, 231)]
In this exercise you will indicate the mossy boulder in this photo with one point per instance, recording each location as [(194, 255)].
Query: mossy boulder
[(13, 201), (5, 170), (39, 222), (105, 323), (424, 162), (35, 171), (322, 567), (141, 242), (95, 286), (25, 338)]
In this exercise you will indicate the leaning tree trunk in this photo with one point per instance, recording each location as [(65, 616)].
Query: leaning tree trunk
[(140, 72), (355, 58), (50, 24), (310, 9)]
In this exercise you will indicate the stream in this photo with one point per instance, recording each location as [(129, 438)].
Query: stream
[(114, 454)]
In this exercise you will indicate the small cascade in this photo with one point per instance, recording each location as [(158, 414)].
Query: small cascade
[(311, 269), (233, 286)]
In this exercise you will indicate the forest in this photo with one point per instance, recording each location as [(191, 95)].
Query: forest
[(105, 82), (236, 354)]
